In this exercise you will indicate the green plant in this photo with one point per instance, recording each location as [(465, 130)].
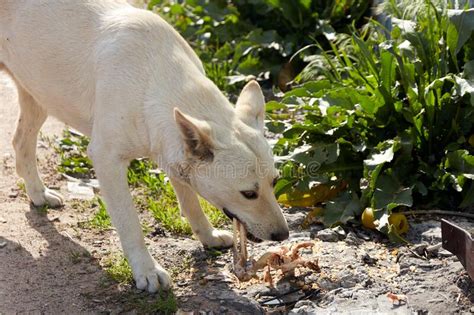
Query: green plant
[(118, 269), (101, 219), (254, 37), (161, 303), (388, 113), (72, 149)]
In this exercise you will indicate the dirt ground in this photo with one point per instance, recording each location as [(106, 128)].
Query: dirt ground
[(49, 263)]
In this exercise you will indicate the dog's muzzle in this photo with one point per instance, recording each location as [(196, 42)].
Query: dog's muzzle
[(250, 236)]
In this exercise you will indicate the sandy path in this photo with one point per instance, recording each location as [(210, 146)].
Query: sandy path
[(35, 266)]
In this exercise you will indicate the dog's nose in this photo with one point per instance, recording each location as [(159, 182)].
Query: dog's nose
[(280, 236)]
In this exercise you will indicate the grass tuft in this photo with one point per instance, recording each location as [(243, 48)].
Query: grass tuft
[(118, 269), (101, 219)]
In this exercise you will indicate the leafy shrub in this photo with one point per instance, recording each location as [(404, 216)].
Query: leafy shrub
[(255, 37), (389, 113)]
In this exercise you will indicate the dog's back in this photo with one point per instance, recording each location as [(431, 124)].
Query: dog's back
[(58, 51)]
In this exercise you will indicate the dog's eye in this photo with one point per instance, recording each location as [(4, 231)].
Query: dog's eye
[(249, 194)]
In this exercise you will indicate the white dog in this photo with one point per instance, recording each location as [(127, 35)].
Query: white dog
[(127, 79)]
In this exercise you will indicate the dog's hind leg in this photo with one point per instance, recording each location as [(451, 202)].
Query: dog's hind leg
[(31, 118), (203, 230)]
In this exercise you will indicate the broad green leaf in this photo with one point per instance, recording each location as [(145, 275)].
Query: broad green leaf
[(282, 186), (274, 105), (341, 210), (463, 20), (461, 162), (389, 193), (382, 154), (465, 87)]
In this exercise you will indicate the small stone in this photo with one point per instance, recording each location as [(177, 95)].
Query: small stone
[(340, 231), (328, 235), (301, 236), (13, 194), (3, 244), (220, 263), (327, 285), (366, 259), (3, 220), (259, 289), (295, 219), (283, 287), (363, 235), (304, 307), (352, 239), (315, 228), (444, 253), (80, 191), (54, 218), (420, 248)]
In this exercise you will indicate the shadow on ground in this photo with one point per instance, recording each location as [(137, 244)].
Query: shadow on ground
[(54, 259)]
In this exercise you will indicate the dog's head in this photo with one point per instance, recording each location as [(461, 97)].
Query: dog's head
[(231, 165)]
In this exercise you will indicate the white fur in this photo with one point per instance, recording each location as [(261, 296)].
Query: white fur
[(119, 75)]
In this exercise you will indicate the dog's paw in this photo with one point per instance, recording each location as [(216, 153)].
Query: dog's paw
[(47, 197), (219, 239), (151, 277)]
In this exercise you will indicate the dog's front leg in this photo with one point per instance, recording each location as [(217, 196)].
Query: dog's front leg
[(111, 171), (202, 229)]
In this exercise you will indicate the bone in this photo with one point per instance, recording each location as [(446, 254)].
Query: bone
[(283, 258)]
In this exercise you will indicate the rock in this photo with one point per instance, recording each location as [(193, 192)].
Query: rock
[(420, 248), (340, 231), (444, 253), (328, 235), (315, 228), (13, 194), (352, 239), (259, 289), (433, 250), (80, 191), (283, 287), (3, 244), (299, 237), (363, 235), (327, 284), (235, 301), (366, 259), (427, 231), (3, 220), (350, 279), (303, 307), (295, 219)]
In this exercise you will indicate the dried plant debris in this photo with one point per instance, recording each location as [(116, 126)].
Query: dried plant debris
[(283, 258), (397, 299)]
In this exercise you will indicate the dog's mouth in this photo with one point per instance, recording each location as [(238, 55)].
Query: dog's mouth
[(250, 236)]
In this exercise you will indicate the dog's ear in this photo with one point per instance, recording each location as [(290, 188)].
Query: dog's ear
[(196, 136), (250, 106)]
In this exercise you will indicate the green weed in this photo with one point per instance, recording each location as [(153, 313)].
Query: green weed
[(388, 114), (101, 219), (72, 149), (118, 269), (160, 303)]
